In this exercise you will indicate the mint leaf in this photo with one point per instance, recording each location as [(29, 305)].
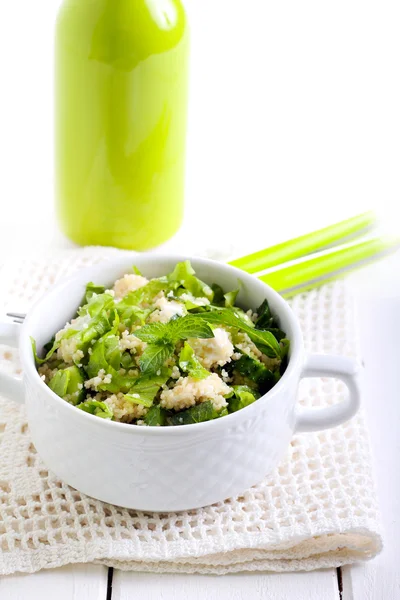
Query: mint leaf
[(265, 318), (277, 333), (156, 416), (177, 329), (265, 341), (99, 409), (162, 337), (154, 357), (152, 333), (189, 363), (188, 327), (196, 414), (224, 316)]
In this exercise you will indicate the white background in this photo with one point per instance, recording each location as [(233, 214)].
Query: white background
[(294, 123), (294, 117)]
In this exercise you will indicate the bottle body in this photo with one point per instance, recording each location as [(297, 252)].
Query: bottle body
[(120, 110)]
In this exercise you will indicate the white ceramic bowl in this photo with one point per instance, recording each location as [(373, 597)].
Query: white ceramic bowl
[(168, 468)]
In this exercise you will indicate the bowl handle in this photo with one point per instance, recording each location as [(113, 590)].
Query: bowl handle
[(338, 367), (11, 386)]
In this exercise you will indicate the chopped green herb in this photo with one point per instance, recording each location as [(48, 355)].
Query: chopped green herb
[(190, 364), (264, 340), (100, 409), (156, 416), (243, 396), (196, 414), (253, 369), (134, 350)]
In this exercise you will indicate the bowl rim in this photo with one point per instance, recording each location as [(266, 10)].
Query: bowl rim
[(30, 371)]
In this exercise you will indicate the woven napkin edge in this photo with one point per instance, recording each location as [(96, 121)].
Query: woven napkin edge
[(335, 550)]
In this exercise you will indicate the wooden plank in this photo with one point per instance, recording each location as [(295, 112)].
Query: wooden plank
[(380, 326), (74, 582), (318, 585)]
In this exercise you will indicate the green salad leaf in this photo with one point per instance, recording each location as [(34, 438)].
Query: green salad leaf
[(97, 327), (50, 352), (243, 396), (189, 363), (184, 276), (143, 399), (224, 412), (106, 356), (91, 289), (145, 294), (131, 315), (100, 304), (93, 347), (230, 298), (75, 387), (59, 383), (51, 348), (146, 388), (94, 407), (68, 383)]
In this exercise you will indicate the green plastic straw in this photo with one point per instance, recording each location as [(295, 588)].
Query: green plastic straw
[(306, 244), (327, 266)]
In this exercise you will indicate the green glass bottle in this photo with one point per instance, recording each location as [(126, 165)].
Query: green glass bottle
[(120, 120)]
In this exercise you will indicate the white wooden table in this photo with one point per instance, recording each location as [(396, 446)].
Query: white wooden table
[(294, 123), (377, 580)]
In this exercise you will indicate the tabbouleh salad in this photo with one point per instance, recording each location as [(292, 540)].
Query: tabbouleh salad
[(165, 351)]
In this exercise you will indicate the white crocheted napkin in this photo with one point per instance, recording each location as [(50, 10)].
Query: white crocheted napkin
[(317, 509)]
